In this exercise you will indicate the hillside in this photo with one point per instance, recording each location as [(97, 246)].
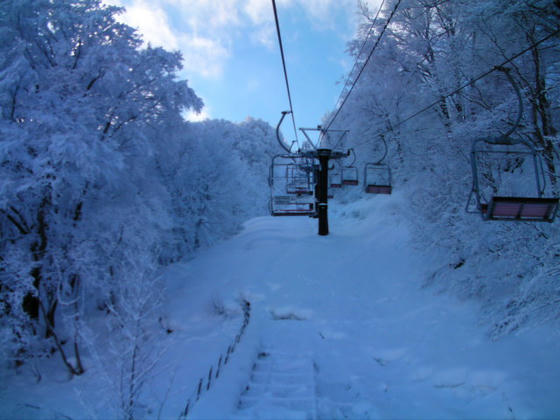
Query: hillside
[(340, 327)]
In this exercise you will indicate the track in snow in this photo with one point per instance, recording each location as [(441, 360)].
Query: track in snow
[(282, 385), (382, 344)]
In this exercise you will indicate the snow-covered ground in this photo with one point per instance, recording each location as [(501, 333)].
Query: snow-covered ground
[(340, 327)]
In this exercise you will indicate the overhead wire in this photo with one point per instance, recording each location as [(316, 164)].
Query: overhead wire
[(365, 63), (355, 65), (466, 84), (284, 67), (474, 80), (415, 114)]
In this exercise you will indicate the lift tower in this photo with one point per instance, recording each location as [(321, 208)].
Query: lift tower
[(323, 153)]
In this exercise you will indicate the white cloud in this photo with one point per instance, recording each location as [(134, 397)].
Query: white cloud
[(322, 14), (203, 53), (265, 36), (207, 15), (259, 11), (205, 31), (192, 116), (203, 56), (153, 24)]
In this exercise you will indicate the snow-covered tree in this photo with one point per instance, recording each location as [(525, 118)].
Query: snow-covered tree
[(216, 175), (81, 105), (430, 50)]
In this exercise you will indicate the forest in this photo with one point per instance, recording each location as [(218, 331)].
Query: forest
[(418, 96), (104, 183)]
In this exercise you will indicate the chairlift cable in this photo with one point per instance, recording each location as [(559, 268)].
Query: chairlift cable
[(467, 84), (355, 65), (284, 67), (365, 63), (474, 80)]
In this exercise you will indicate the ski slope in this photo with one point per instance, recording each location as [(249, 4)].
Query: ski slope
[(345, 318), (340, 327)]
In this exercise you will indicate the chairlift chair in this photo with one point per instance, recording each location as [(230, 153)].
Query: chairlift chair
[(292, 185), (509, 183), (350, 172), (335, 177), (291, 174), (350, 176), (289, 205), (299, 180), (508, 177), (377, 178)]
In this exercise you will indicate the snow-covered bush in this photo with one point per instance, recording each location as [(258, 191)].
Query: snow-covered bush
[(101, 179), (430, 50)]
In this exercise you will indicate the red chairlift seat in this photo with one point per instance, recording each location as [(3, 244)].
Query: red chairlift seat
[(350, 176), (295, 212), (287, 206), (291, 174), (521, 208), (377, 178), (533, 208), (379, 189), (299, 190), (335, 175), (298, 180), (335, 180)]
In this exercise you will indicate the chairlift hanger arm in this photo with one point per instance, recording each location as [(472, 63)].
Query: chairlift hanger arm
[(385, 150), (280, 142), (353, 153)]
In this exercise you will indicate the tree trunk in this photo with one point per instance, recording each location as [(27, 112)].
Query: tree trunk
[(31, 301), (541, 113)]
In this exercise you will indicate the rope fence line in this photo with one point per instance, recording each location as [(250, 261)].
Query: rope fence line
[(206, 382)]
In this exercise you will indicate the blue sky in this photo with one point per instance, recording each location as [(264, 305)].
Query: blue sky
[(231, 53)]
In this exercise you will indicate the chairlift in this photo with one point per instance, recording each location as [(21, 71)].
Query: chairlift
[(508, 177), (335, 176), (350, 172), (299, 179), (289, 205), (292, 174), (377, 176), (509, 183), (350, 176), (292, 185)]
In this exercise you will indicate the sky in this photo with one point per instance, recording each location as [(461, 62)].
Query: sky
[(232, 59)]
